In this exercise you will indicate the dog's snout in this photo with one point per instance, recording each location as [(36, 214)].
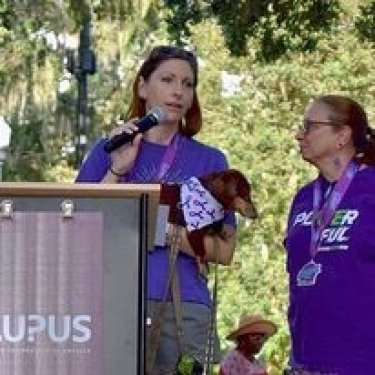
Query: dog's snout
[(246, 208)]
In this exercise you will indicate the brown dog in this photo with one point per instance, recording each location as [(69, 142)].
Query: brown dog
[(229, 188)]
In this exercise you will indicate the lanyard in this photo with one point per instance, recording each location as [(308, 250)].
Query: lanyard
[(167, 160), (169, 156), (322, 217)]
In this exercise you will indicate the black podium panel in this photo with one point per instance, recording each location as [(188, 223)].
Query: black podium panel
[(73, 269)]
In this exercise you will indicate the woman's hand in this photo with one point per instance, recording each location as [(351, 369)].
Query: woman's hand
[(122, 159), (219, 249)]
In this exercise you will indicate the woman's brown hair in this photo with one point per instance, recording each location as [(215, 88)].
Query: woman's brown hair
[(347, 111), (193, 118)]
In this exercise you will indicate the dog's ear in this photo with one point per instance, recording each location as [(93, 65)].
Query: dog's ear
[(243, 187), (222, 185), (236, 183), (243, 202), (209, 177), (213, 182)]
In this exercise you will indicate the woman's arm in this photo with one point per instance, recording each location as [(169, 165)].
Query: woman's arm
[(218, 247), (111, 178)]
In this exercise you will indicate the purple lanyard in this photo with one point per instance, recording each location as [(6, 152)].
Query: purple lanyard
[(321, 218), (167, 160), (169, 156)]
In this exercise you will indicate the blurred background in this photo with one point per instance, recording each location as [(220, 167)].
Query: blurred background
[(66, 68)]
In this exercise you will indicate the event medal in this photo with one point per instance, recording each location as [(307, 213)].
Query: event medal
[(308, 274)]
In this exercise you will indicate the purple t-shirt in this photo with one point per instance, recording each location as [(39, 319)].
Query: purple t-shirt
[(332, 323), (192, 159)]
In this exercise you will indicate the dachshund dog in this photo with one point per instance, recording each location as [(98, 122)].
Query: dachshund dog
[(199, 204)]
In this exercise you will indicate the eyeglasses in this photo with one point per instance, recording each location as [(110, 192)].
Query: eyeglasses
[(309, 125)]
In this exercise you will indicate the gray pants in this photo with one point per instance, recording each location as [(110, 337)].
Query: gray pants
[(195, 324)]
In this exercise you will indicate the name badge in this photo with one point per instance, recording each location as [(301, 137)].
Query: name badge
[(308, 274)]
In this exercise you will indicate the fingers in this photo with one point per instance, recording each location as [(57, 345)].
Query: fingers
[(128, 127), (137, 139)]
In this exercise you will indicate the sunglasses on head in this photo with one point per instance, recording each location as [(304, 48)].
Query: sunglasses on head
[(171, 51)]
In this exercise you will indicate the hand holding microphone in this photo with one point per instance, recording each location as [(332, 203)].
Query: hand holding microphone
[(123, 157), (153, 118)]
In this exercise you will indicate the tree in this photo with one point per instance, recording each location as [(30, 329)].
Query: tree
[(365, 23), (276, 26), (31, 66), (255, 127)]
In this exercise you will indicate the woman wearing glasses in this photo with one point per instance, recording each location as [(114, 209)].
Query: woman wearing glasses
[(167, 80), (330, 243)]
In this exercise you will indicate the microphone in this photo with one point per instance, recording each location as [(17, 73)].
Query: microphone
[(153, 117)]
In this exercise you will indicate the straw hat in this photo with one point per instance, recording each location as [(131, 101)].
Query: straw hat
[(252, 324)]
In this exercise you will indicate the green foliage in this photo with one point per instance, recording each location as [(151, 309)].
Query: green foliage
[(277, 26), (34, 149), (30, 16), (105, 10), (293, 26), (254, 126), (366, 22), (31, 68), (180, 16), (60, 172)]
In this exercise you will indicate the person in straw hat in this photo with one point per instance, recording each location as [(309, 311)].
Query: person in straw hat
[(250, 335)]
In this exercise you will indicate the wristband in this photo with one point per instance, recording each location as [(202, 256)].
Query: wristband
[(116, 173)]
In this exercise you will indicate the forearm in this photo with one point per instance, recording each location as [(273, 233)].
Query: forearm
[(218, 247), (122, 159), (113, 176), (110, 178)]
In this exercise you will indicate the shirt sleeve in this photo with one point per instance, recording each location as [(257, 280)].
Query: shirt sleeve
[(95, 165)]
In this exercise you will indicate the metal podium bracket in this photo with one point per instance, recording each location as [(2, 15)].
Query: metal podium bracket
[(67, 208), (6, 209)]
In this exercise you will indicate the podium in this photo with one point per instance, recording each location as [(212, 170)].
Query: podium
[(73, 277)]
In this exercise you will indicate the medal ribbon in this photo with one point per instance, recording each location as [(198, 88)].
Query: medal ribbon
[(321, 218)]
